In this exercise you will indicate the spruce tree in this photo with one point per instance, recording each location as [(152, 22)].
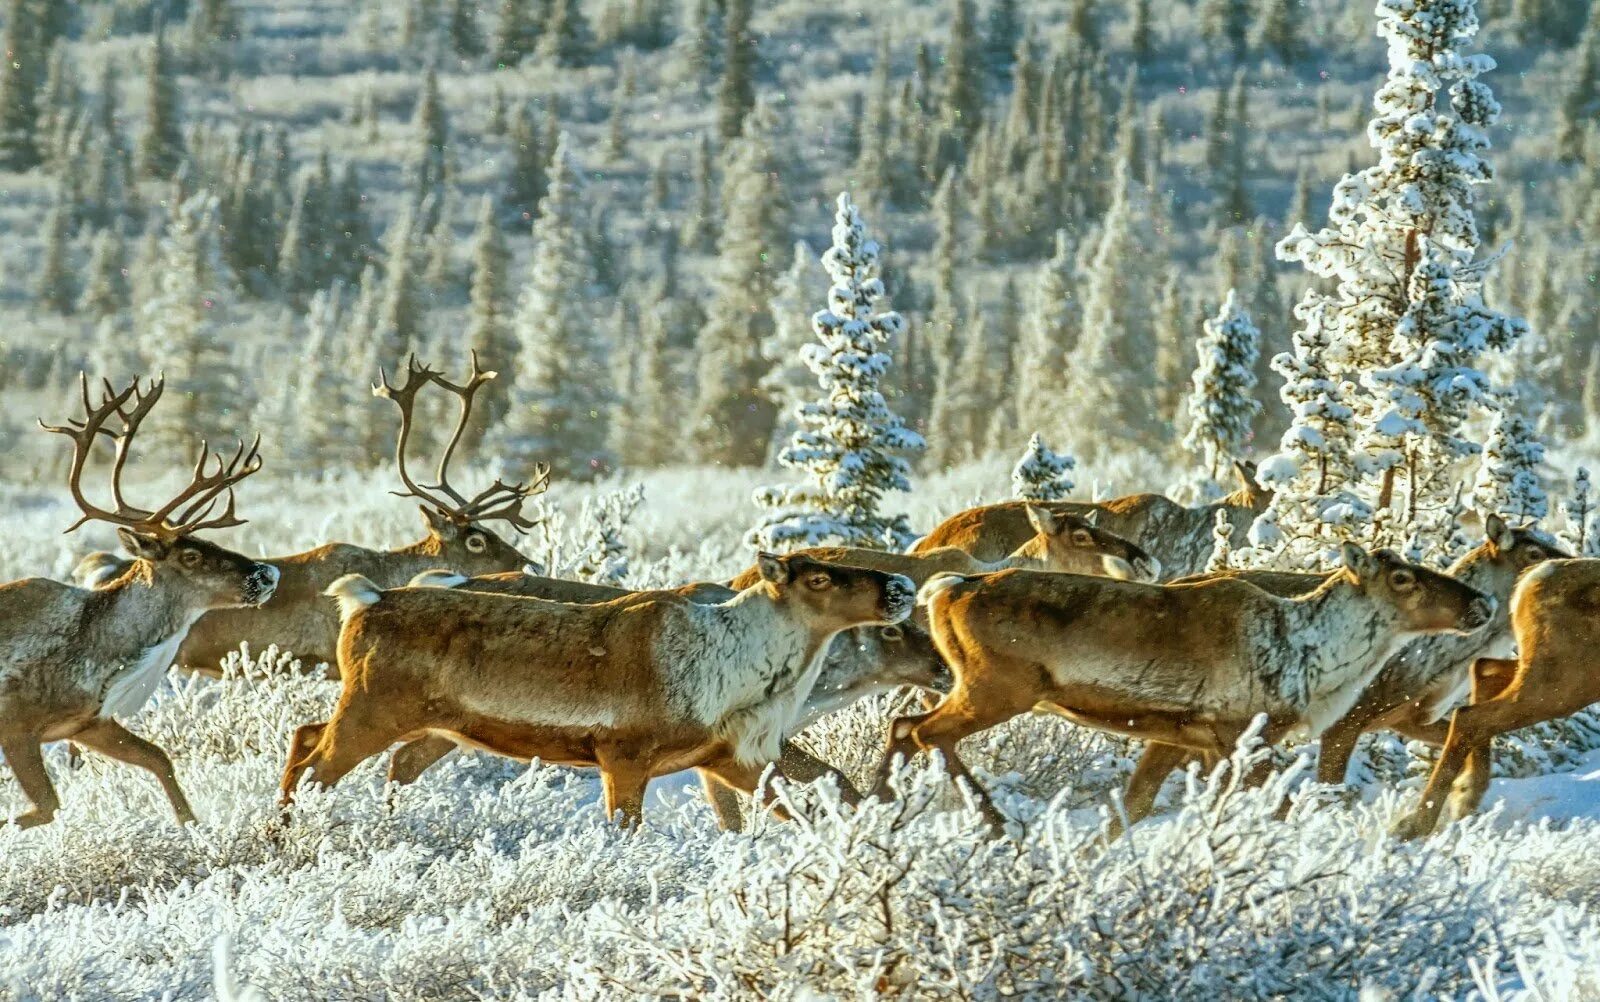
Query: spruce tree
[(488, 331), (560, 403), (1001, 35), (19, 76), (516, 32), (1141, 39), (396, 332), (851, 447), (105, 292), (525, 180), (1118, 340), (1508, 481), (565, 39), (1280, 30), (1047, 340), (1406, 321), (461, 28), (161, 147), (788, 381), (962, 95), (1222, 406), (54, 284), (1580, 100), (732, 420), (1227, 21), (431, 137), (737, 94), (1042, 475), (183, 340)]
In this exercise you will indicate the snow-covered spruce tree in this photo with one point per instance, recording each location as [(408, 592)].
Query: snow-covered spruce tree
[(789, 382), (430, 129), (396, 330), (1508, 480), (561, 400), (487, 330), (850, 445), (105, 290), (326, 389), (1109, 401), (1312, 474), (19, 72), (733, 419), (182, 340), (1041, 474), (1405, 331), (161, 146), (1046, 340), (736, 94), (1222, 405), (1579, 513), (53, 284)]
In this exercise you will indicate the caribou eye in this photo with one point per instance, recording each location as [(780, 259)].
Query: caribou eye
[(1403, 579), (477, 544), (189, 558), (1082, 537), (892, 633), (818, 582)]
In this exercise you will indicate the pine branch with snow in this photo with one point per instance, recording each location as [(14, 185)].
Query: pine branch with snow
[(850, 445), (1042, 474)]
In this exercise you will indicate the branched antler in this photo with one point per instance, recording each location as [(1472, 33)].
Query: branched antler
[(186, 513), (499, 500)]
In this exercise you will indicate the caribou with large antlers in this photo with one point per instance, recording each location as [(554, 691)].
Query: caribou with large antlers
[(299, 619), (73, 660)]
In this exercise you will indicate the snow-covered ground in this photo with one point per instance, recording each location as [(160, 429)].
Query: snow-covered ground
[(487, 879)]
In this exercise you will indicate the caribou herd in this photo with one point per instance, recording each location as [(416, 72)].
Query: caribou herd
[(1101, 612)]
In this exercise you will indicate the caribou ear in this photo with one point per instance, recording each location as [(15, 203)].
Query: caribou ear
[(1362, 563), (141, 546), (773, 568), (1092, 516), (1043, 520), (1496, 531)]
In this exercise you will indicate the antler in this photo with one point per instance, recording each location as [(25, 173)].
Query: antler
[(499, 500), (196, 501)]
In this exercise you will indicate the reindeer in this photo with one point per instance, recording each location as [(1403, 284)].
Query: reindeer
[(1061, 541), (640, 686), (1185, 667), (1416, 689), (299, 618), (73, 660), (1554, 609), (1183, 536), (860, 662)]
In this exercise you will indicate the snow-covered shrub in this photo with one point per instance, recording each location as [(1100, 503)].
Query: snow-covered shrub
[(850, 445), (1042, 474)]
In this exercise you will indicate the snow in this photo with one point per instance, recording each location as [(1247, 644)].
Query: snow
[(1558, 798)]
